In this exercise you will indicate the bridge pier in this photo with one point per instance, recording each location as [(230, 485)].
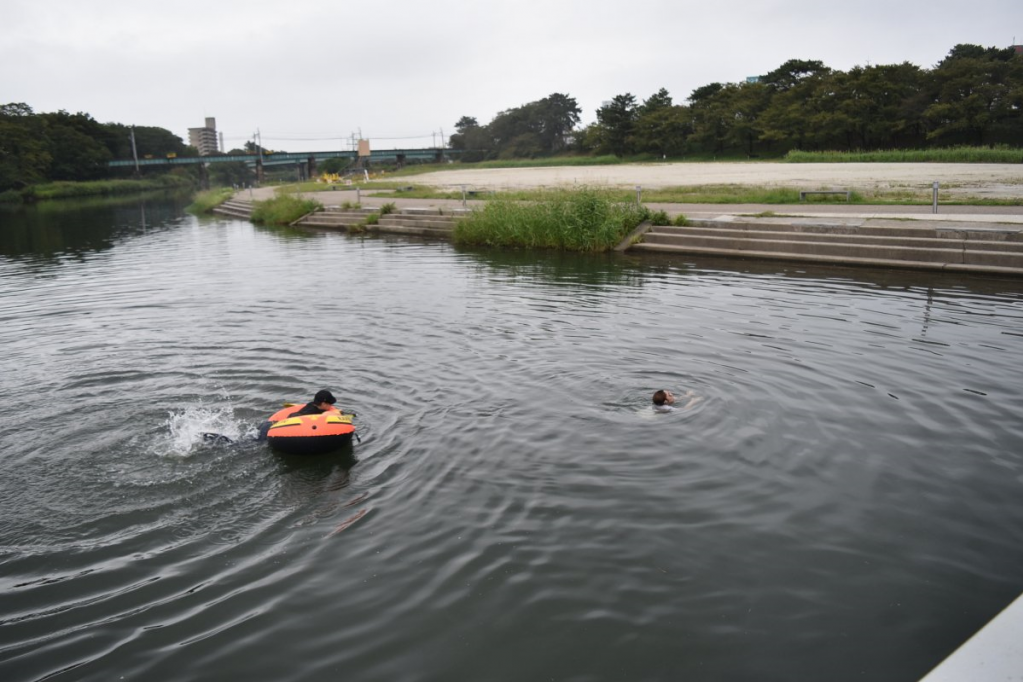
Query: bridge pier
[(310, 167)]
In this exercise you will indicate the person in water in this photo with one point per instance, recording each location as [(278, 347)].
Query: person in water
[(322, 402), (664, 401)]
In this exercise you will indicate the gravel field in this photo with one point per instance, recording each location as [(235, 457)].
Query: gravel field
[(980, 180)]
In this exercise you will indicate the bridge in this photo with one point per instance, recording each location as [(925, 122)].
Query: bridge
[(280, 157), (305, 161)]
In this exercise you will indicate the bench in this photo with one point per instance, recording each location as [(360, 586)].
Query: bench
[(848, 194)]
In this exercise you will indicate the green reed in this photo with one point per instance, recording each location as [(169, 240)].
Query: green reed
[(571, 220)]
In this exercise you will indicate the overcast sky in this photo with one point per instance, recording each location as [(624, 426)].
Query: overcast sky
[(309, 74)]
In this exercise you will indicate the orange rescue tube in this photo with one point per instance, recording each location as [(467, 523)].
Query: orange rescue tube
[(309, 434)]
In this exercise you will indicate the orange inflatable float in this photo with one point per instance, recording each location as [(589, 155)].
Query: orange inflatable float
[(309, 434)]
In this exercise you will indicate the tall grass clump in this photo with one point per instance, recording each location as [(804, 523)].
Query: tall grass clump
[(71, 190), (283, 209), (963, 154), (206, 201), (571, 220)]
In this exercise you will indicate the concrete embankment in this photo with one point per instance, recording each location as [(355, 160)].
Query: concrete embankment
[(980, 244), (417, 221), (961, 246)]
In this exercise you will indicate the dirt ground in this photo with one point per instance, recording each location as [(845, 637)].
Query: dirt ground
[(979, 180)]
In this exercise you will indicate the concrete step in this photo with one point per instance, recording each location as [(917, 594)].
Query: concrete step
[(882, 251), (868, 227), (363, 211), (679, 235), (870, 254), (330, 222), (428, 222), (839, 260), (234, 209), (418, 231)]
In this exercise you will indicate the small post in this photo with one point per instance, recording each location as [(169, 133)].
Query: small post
[(135, 154), (463, 196), (639, 194), (935, 186), (358, 195)]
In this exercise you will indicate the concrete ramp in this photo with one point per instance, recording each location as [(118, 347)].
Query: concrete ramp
[(988, 248)]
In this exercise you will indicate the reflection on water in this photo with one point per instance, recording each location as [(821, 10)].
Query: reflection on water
[(73, 228), (849, 482)]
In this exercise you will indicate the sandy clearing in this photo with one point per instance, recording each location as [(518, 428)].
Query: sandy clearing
[(992, 180)]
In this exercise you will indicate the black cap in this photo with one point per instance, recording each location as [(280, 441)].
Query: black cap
[(324, 396)]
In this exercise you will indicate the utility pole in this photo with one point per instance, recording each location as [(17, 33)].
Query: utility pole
[(442, 138), (135, 153)]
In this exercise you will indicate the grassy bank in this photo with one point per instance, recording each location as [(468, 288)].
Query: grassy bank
[(283, 209), (571, 220), (206, 201), (999, 154), (733, 194), (71, 190)]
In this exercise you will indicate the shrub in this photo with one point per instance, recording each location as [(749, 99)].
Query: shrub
[(283, 209), (388, 208), (575, 220), (659, 218), (204, 202), (680, 221)]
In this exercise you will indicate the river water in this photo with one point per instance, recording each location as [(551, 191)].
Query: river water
[(843, 502)]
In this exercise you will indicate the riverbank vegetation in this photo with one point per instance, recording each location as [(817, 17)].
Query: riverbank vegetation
[(41, 148), (206, 201), (962, 154), (717, 194), (587, 219), (283, 209), (71, 190)]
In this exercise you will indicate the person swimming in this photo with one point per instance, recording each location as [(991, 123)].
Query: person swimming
[(664, 401)]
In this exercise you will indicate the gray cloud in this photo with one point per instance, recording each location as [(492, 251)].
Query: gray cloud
[(404, 68)]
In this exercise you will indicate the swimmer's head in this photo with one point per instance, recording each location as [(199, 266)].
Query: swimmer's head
[(663, 398)]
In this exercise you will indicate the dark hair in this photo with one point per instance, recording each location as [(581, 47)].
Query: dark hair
[(324, 396), (660, 397)]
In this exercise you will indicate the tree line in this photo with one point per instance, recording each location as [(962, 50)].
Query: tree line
[(45, 147), (974, 96)]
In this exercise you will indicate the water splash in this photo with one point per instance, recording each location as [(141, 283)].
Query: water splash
[(186, 429)]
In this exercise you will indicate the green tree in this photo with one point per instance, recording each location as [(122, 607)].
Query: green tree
[(976, 92), (801, 96), (876, 104), (75, 142), (558, 115), (24, 156), (150, 141), (712, 114), (656, 102), (663, 131), (618, 119), (464, 128)]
